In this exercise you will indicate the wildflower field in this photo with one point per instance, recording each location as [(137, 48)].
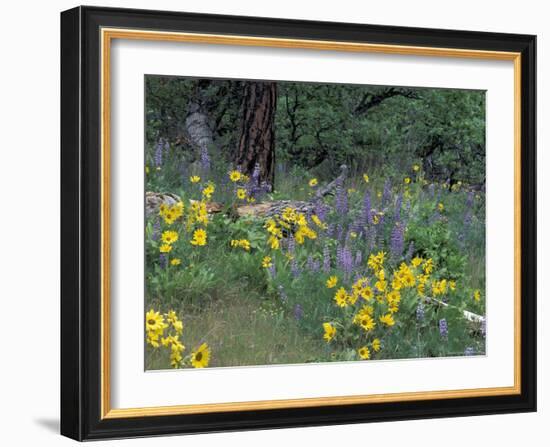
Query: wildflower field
[(316, 233)]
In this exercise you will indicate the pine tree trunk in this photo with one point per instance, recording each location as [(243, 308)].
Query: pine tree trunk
[(257, 141)]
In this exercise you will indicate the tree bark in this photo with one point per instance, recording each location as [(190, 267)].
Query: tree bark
[(257, 140)]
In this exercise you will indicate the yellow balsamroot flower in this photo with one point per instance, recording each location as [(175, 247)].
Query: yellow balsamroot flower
[(341, 297), (376, 261), (428, 266), (407, 180), (365, 321), (421, 289), (387, 319), (153, 321), (364, 353), (367, 293), (241, 193), (396, 283), (330, 331), (165, 248), (243, 243), (169, 237), (440, 206), (477, 295), (416, 168), (289, 214), (194, 179), (394, 298), (175, 356), (452, 285), (208, 191), (366, 178), (313, 182), (439, 287), (332, 282), (250, 199), (175, 261), (304, 232), (381, 285), (273, 242), (178, 326), (199, 237), (416, 261), (201, 357), (266, 262), (318, 222), (235, 176), (376, 345)]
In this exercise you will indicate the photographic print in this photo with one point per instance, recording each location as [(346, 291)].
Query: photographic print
[(294, 222)]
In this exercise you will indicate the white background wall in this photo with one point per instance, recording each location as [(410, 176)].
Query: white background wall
[(29, 224)]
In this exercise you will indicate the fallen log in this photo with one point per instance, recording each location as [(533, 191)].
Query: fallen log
[(153, 201)]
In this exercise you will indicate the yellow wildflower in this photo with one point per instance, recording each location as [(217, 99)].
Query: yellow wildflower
[(332, 281), (341, 297), (313, 182), (165, 248), (175, 261), (366, 178), (169, 237), (477, 295), (364, 353), (407, 180), (376, 345), (208, 191), (241, 193), (330, 331), (199, 237), (387, 319), (194, 179), (201, 357), (266, 262), (235, 176)]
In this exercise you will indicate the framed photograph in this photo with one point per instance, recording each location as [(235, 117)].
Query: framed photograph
[(276, 223)]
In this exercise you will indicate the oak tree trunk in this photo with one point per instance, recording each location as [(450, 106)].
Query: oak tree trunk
[(257, 140)]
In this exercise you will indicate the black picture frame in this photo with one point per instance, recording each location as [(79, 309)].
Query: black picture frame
[(81, 223)]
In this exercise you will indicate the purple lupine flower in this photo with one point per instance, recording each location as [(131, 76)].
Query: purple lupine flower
[(298, 312), (205, 160), (420, 312), (397, 241), (345, 261), (341, 198), (272, 270), (291, 245), (320, 210), (326, 259), (159, 149), (443, 328), (163, 260), (410, 252), (469, 351)]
